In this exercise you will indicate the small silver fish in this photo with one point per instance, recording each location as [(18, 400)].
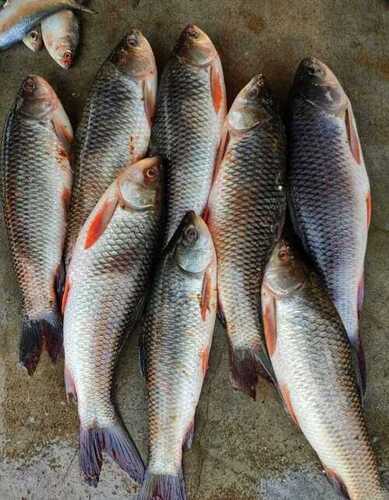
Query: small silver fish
[(61, 35)]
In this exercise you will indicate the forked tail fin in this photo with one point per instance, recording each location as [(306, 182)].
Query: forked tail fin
[(163, 487)]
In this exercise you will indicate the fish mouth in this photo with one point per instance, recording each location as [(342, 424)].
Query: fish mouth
[(67, 59), (134, 38)]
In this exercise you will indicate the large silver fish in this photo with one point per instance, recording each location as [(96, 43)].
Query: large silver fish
[(190, 113), (329, 189), (18, 17), (61, 35), (178, 329), (104, 290), (312, 362), (115, 126), (36, 192), (245, 216)]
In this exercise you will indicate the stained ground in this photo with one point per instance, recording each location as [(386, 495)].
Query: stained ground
[(243, 450)]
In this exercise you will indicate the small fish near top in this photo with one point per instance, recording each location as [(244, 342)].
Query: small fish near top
[(329, 191), (19, 17), (37, 181), (61, 35), (190, 113)]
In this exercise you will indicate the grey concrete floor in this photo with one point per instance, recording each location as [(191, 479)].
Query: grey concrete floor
[(243, 449)]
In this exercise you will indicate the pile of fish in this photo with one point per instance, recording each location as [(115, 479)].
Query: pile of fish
[(52, 23), (176, 211)]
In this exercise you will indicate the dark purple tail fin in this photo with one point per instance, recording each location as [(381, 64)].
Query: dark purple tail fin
[(38, 334), (117, 443), (160, 487)]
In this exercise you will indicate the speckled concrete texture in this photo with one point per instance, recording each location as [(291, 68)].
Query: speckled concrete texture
[(243, 450)]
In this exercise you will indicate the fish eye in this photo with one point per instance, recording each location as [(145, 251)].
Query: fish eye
[(34, 35), (283, 254), (253, 92), (151, 173), (132, 40), (190, 234), (29, 86)]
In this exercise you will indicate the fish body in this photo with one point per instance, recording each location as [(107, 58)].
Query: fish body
[(190, 113), (104, 290), (312, 361), (329, 190), (178, 329), (115, 126), (37, 181), (33, 40), (18, 17), (61, 35), (245, 216)]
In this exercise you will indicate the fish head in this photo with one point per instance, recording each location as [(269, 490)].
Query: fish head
[(36, 98), (253, 106), (134, 56), (194, 47), (140, 185), (317, 84), (285, 271), (192, 244), (33, 40)]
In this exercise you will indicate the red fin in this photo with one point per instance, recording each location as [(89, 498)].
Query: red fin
[(149, 98), (369, 208), (223, 145), (204, 357), (206, 295), (66, 196), (70, 386), (217, 87), (99, 223), (269, 322), (288, 403), (353, 138), (188, 439), (65, 295), (336, 482)]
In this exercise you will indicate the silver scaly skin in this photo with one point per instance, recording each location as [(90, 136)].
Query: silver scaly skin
[(312, 362), (18, 17), (178, 329), (36, 181), (190, 113), (115, 126), (104, 291), (245, 216), (329, 190)]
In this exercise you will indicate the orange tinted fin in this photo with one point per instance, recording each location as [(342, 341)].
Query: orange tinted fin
[(99, 223), (288, 403), (206, 295), (225, 139), (269, 322), (368, 208), (65, 296), (217, 88), (149, 98), (204, 357), (66, 196), (336, 482), (352, 136)]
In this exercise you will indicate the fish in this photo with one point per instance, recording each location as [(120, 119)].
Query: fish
[(115, 126), (329, 191), (187, 131), (33, 40), (61, 35), (177, 334), (245, 214), (312, 361), (18, 17), (37, 179), (104, 292)]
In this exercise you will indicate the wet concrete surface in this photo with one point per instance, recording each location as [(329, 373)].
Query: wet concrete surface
[(243, 450)]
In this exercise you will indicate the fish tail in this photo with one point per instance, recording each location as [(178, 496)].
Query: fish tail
[(168, 487), (244, 370), (37, 334), (117, 443)]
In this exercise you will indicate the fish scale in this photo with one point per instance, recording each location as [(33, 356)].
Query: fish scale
[(246, 211), (321, 390), (187, 133)]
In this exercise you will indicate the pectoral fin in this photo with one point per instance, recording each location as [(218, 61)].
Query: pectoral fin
[(352, 135), (99, 223)]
